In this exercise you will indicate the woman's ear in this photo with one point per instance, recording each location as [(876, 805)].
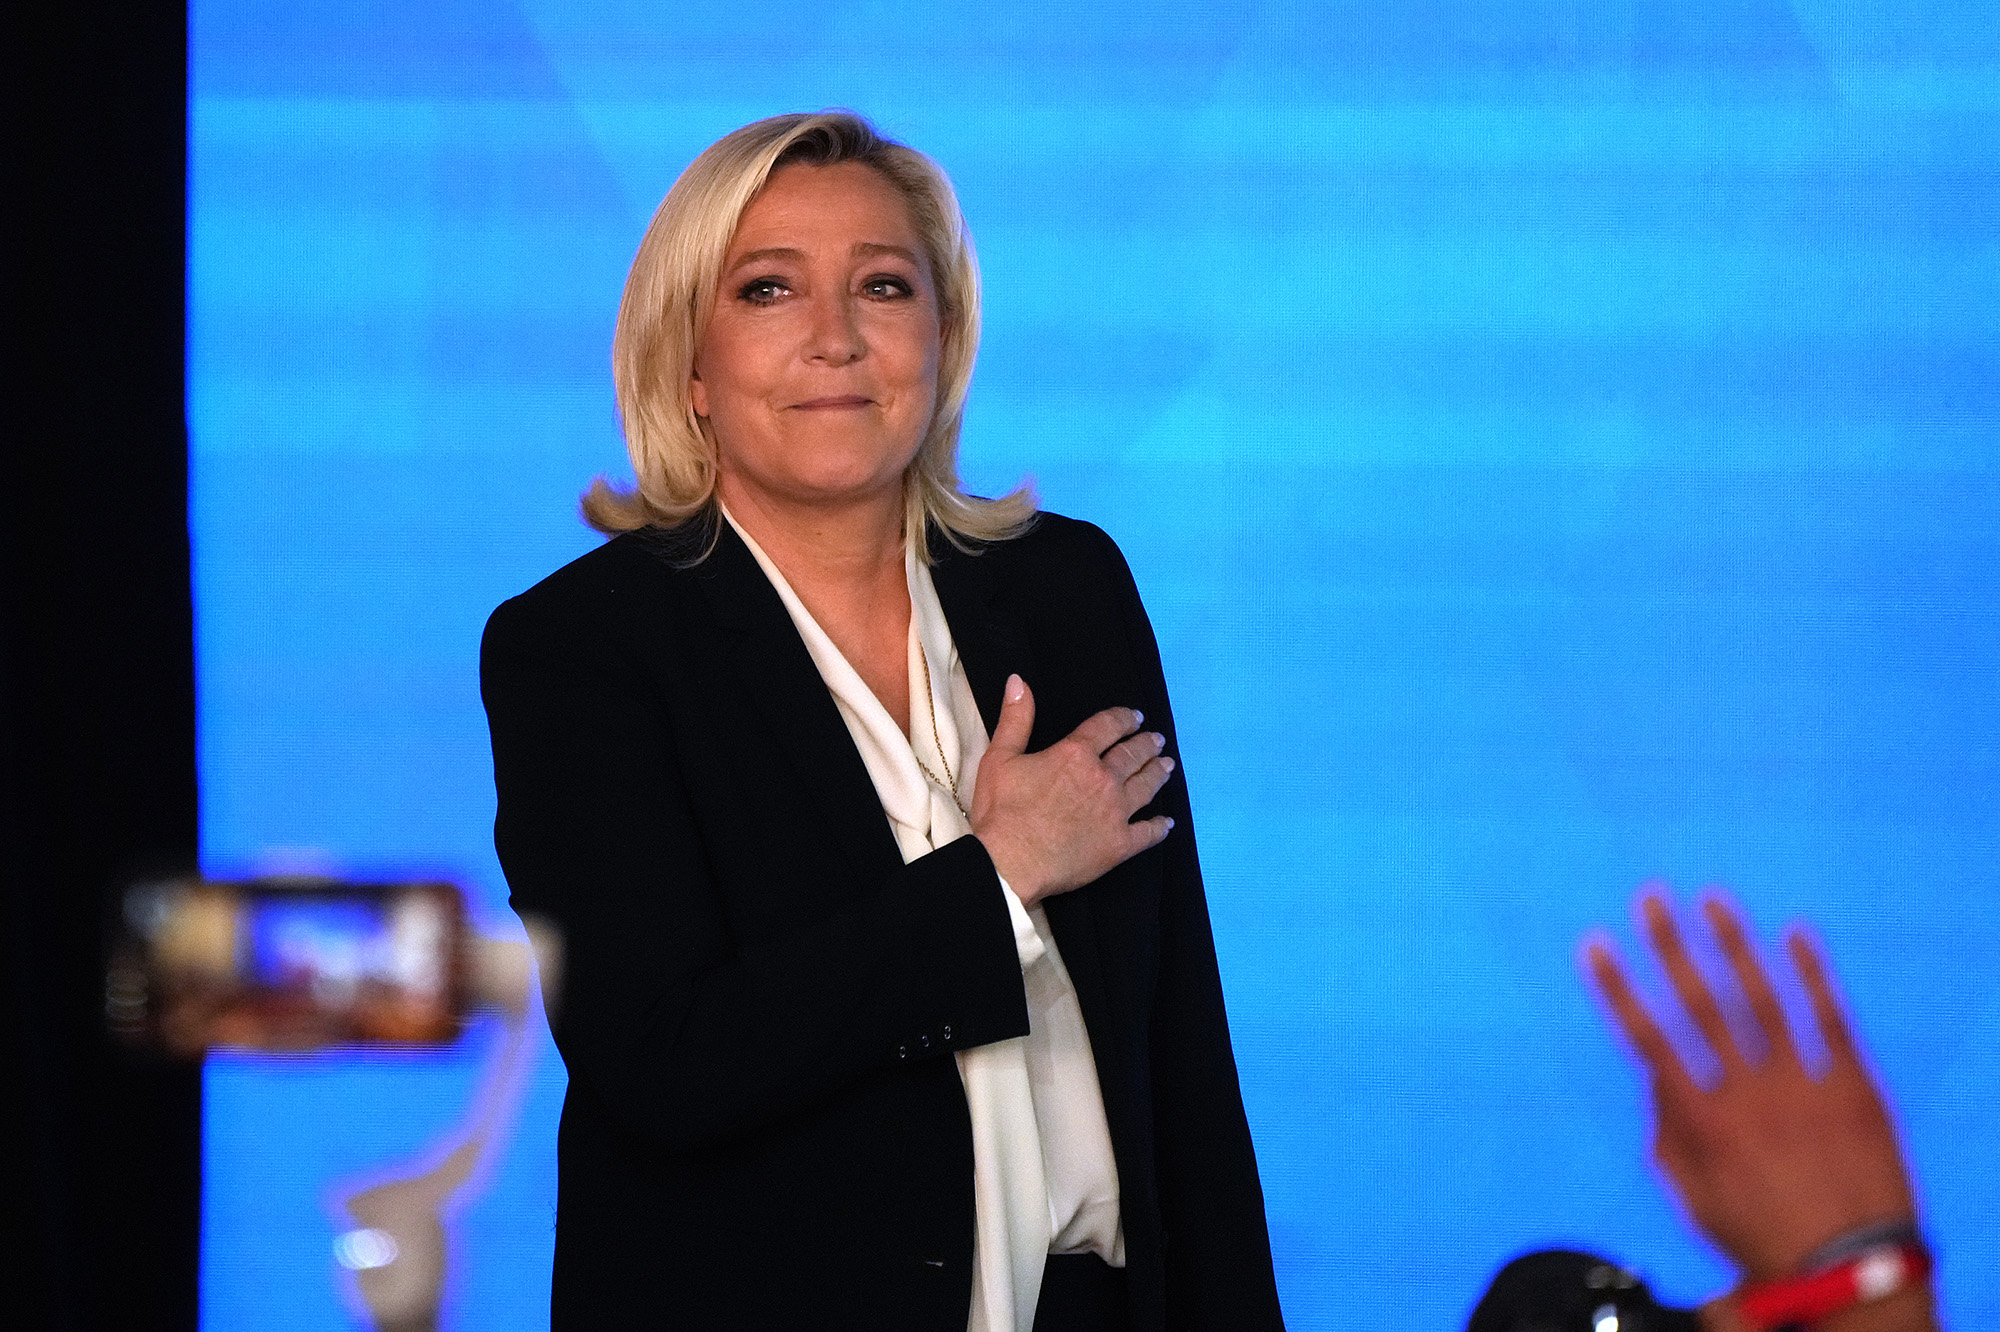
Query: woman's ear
[(698, 394)]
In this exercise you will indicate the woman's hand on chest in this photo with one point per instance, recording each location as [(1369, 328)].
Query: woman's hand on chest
[(1058, 819)]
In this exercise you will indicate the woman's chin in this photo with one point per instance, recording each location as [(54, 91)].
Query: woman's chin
[(860, 483)]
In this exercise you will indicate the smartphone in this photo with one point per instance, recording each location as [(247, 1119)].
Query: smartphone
[(289, 964)]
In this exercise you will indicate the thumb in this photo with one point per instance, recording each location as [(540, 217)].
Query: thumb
[(1017, 718)]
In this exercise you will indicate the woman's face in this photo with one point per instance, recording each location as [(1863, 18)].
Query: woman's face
[(818, 369)]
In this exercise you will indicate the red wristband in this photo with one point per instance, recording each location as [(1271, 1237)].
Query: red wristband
[(1873, 1274)]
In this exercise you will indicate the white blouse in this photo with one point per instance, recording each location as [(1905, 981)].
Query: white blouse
[(1044, 1178)]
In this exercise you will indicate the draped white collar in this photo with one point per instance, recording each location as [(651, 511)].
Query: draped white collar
[(1014, 1088)]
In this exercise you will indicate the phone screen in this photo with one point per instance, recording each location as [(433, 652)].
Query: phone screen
[(338, 949)]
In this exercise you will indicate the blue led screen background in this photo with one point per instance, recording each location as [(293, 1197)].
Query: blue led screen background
[(1556, 441)]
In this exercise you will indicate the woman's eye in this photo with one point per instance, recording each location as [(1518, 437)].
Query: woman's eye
[(887, 287), (760, 291)]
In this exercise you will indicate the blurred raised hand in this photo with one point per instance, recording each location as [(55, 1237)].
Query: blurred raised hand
[(1772, 1159)]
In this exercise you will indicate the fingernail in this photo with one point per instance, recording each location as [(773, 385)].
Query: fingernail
[(1167, 763), (1159, 741), (1170, 823), (1137, 716), (1016, 686)]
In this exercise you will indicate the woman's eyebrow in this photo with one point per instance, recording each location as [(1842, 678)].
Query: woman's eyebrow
[(759, 256), (867, 248)]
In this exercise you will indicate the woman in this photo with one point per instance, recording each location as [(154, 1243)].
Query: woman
[(847, 1045)]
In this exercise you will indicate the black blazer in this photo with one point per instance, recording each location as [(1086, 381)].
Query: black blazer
[(764, 1126)]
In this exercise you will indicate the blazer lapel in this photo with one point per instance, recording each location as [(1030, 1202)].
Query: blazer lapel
[(991, 646), (784, 686)]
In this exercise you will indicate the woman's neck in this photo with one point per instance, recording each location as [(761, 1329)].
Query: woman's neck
[(854, 545), (845, 563)]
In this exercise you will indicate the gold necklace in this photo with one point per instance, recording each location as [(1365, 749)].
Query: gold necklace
[(951, 778)]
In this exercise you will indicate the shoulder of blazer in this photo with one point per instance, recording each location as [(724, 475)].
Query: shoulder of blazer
[(1054, 554), (1051, 539), (593, 593)]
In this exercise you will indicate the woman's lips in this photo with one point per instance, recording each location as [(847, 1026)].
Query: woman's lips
[(845, 402)]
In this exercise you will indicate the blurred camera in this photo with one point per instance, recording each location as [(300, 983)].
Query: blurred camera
[(1567, 1290)]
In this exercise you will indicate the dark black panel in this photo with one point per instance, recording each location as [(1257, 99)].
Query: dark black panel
[(97, 775)]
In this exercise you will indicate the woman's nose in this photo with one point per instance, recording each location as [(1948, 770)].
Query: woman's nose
[(834, 337)]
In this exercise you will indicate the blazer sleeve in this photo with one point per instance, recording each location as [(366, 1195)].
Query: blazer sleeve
[(686, 1035), (1218, 1248)]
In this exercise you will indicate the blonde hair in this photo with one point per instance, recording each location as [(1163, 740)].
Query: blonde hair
[(671, 291)]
